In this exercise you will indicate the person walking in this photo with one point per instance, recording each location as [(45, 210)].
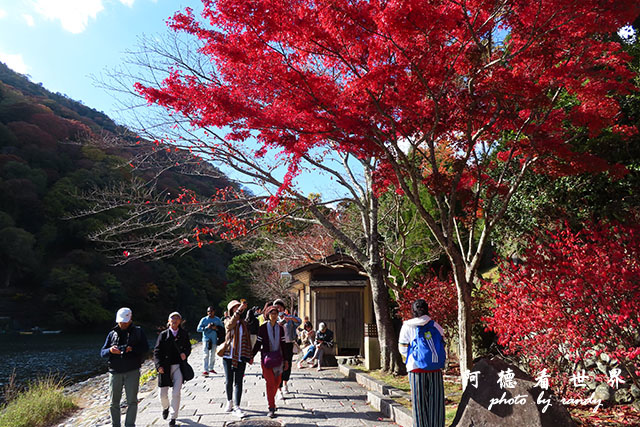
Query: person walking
[(271, 344), (172, 348), (253, 323), (210, 325), (290, 324), (125, 348), (308, 339), (421, 342), (235, 354), (323, 344)]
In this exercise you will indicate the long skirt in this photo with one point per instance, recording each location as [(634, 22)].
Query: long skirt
[(427, 390)]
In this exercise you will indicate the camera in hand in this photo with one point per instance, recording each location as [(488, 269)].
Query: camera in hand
[(122, 348)]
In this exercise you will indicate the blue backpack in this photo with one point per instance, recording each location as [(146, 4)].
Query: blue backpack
[(427, 348)]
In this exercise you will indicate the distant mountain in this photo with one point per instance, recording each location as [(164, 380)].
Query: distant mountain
[(50, 274)]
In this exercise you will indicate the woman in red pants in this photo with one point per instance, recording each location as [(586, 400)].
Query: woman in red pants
[(273, 358)]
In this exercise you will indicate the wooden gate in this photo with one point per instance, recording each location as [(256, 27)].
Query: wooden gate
[(342, 311)]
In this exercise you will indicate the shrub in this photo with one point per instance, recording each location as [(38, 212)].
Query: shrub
[(577, 296), (148, 376), (442, 297)]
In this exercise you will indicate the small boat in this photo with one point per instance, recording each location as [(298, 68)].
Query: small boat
[(26, 332), (52, 332)]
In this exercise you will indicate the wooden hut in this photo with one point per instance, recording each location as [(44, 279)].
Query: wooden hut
[(337, 292)]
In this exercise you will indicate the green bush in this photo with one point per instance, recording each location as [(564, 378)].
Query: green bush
[(41, 403), (148, 376)]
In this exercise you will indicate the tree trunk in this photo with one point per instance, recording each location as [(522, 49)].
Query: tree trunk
[(465, 345), (390, 359)]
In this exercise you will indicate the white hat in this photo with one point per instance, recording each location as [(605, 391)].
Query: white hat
[(123, 315), (175, 313), (322, 325), (232, 304)]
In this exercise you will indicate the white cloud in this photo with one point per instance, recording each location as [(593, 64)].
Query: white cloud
[(15, 62), (73, 14), (127, 2), (29, 20), (3, 13)]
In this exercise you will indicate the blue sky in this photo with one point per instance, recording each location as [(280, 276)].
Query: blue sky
[(61, 43)]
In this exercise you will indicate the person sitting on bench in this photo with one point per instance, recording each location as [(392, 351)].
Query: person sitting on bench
[(308, 339), (324, 343)]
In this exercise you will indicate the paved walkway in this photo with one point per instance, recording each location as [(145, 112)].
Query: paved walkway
[(324, 398)]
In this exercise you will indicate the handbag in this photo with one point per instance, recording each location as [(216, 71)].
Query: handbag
[(222, 350), (273, 359), (220, 338), (185, 369), (296, 348)]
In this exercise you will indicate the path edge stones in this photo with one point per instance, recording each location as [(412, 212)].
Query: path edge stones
[(379, 396)]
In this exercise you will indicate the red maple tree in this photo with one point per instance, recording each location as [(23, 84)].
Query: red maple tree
[(456, 97)]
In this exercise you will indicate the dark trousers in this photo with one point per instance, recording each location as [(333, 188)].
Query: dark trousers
[(287, 348), (130, 381), (427, 390), (233, 377)]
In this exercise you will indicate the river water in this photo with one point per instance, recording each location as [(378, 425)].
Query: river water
[(74, 357)]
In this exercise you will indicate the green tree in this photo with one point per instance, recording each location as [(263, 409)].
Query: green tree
[(239, 277), (78, 302), (16, 248)]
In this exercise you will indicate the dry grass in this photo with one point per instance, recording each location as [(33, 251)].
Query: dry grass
[(40, 404)]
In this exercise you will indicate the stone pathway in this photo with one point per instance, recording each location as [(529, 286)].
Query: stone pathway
[(323, 398)]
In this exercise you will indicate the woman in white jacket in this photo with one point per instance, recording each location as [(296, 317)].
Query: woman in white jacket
[(427, 387)]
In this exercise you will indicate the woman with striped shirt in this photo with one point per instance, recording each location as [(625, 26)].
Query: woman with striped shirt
[(427, 386), (237, 352)]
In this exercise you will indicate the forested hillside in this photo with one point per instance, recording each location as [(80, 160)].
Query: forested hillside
[(51, 275)]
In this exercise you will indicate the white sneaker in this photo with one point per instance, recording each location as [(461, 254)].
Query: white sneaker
[(281, 395), (229, 406), (237, 412), (285, 389)]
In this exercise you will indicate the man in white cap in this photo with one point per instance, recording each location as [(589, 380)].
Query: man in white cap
[(324, 343), (125, 349)]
